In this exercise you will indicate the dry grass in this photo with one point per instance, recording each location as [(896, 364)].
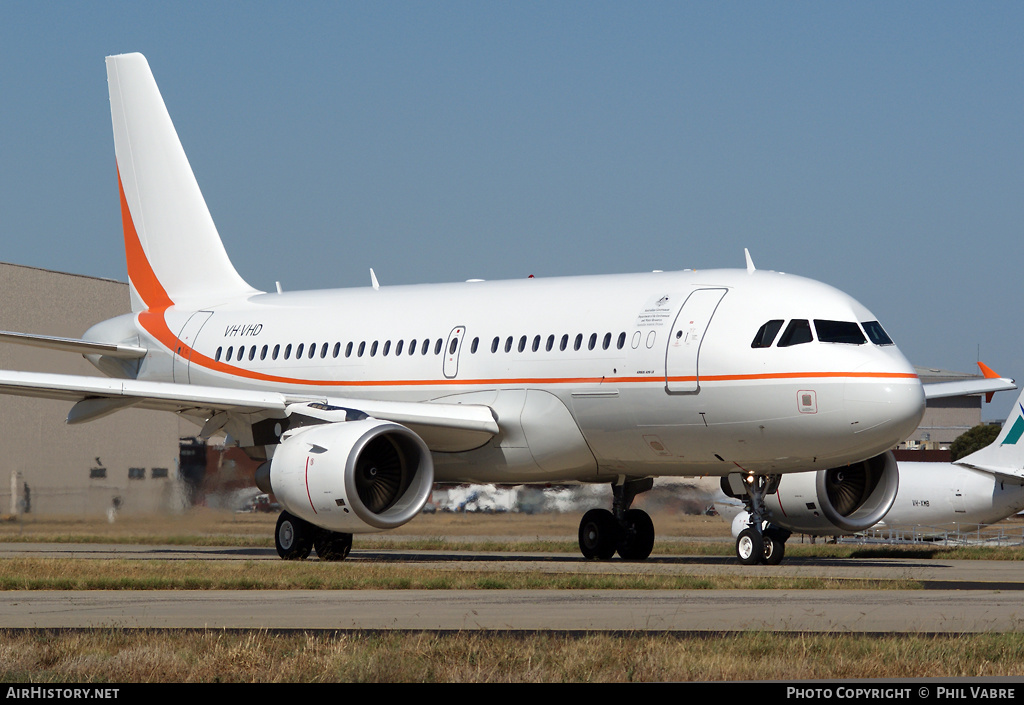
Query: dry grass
[(131, 656), (481, 657), (122, 574)]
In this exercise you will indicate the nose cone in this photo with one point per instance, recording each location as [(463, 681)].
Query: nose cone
[(884, 403)]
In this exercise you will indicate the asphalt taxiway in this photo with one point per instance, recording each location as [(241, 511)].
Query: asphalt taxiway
[(959, 596)]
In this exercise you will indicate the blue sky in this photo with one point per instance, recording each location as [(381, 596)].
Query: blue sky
[(874, 146)]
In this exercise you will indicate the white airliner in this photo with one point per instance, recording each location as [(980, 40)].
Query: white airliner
[(981, 488), (360, 399)]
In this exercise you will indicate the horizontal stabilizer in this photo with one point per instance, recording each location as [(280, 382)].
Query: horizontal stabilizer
[(75, 345), (1003, 472)]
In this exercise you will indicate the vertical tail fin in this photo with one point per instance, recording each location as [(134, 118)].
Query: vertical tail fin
[(1006, 453), (173, 250)]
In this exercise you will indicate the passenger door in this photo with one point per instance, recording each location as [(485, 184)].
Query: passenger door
[(682, 374)]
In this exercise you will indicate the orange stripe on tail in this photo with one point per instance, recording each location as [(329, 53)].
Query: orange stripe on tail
[(140, 272)]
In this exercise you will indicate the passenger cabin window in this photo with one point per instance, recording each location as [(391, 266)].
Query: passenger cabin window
[(766, 334), (839, 332), (797, 332), (876, 333)]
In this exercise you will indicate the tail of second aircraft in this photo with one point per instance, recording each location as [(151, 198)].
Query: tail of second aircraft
[(173, 250), (1005, 455)]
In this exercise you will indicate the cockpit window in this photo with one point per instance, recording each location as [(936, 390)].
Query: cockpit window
[(876, 333), (839, 332), (766, 334), (797, 332)]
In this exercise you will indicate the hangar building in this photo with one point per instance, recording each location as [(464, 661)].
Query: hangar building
[(127, 461)]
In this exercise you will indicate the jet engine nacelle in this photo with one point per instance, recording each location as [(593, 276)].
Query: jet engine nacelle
[(352, 477), (836, 501)]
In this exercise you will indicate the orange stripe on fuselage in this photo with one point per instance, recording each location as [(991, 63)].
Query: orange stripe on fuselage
[(140, 272)]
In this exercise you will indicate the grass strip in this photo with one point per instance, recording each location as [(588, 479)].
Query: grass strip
[(251, 656), (122, 574)]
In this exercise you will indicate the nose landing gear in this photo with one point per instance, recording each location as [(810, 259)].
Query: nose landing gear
[(760, 542)]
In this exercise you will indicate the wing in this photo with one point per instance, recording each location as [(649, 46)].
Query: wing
[(957, 389), (444, 427), (988, 385)]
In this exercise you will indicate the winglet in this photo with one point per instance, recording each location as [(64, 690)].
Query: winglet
[(989, 374), (987, 371), (750, 262)]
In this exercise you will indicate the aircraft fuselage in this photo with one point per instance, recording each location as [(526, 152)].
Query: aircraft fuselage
[(590, 377)]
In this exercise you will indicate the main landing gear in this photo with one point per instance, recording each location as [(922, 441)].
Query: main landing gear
[(630, 532), (760, 542), (296, 538)]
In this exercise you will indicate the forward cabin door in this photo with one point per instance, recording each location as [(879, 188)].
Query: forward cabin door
[(682, 374)]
